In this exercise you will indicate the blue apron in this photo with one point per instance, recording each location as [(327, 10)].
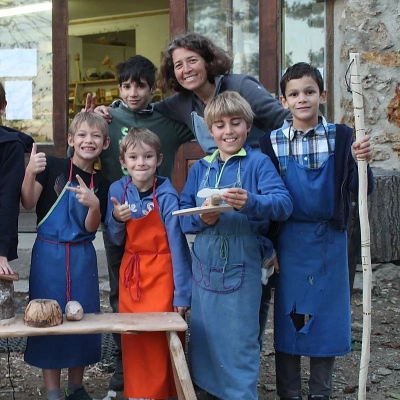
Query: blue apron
[(63, 268), (224, 352), (313, 281)]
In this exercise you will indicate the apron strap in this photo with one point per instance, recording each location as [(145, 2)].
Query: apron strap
[(91, 185)]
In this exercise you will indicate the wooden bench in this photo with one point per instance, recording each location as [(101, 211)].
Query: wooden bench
[(131, 323)]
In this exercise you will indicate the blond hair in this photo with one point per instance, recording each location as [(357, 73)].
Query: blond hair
[(228, 104), (140, 135), (92, 119)]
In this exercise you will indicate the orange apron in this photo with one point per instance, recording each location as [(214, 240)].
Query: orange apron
[(146, 285)]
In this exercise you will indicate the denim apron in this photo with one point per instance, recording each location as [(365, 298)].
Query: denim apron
[(312, 299), (224, 353), (64, 268)]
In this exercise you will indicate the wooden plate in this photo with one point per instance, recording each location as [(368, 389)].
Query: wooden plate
[(203, 210)]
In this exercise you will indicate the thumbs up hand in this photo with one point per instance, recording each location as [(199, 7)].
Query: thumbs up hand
[(121, 212), (37, 161)]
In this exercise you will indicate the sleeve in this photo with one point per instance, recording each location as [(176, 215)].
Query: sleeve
[(183, 133), (269, 112), (177, 107), (180, 254), (352, 165), (11, 177), (272, 200), (102, 195), (115, 230), (191, 223)]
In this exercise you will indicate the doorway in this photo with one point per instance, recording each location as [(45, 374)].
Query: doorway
[(100, 37)]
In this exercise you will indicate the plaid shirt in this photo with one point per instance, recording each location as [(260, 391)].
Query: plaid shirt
[(308, 148)]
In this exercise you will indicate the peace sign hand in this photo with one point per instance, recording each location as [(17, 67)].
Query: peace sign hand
[(84, 195)]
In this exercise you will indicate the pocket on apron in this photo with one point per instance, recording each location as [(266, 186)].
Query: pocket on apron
[(218, 279)]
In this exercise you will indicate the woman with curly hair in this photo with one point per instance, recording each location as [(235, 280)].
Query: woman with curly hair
[(198, 70)]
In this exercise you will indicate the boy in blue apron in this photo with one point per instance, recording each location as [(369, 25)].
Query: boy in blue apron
[(70, 198), (318, 163), (228, 251)]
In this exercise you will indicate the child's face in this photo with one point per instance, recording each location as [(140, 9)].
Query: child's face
[(141, 161), (135, 95), (88, 142), (230, 134), (303, 100)]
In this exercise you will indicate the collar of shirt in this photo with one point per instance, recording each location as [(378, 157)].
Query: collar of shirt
[(291, 133)]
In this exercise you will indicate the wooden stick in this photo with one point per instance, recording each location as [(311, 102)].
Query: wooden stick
[(358, 105)]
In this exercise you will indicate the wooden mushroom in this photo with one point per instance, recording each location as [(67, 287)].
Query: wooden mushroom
[(73, 311), (43, 313), (215, 199)]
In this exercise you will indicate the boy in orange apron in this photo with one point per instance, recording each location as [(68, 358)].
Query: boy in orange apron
[(70, 199), (155, 273)]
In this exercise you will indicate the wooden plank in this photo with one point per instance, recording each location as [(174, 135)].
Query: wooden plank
[(203, 210), (183, 382), (10, 277), (100, 323)]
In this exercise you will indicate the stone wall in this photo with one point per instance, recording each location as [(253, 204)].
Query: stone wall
[(371, 28)]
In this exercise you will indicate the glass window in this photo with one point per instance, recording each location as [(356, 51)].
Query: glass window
[(26, 66), (303, 32), (232, 25)]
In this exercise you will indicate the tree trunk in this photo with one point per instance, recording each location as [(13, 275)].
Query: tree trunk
[(384, 214)]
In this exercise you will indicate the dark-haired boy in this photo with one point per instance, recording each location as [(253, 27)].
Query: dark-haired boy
[(318, 163), (136, 82)]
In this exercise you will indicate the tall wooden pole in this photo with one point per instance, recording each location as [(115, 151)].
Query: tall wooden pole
[(358, 104)]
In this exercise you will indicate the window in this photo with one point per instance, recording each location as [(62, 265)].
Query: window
[(26, 66), (231, 24), (303, 33)]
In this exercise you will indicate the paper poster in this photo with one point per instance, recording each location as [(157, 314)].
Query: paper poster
[(19, 99), (18, 62)]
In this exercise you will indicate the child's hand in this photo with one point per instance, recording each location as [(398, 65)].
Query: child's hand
[(103, 111), (121, 212), (235, 197), (209, 218), (37, 162), (362, 150), (5, 268), (84, 195), (181, 310), (90, 103)]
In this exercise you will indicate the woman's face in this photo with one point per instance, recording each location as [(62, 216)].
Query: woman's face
[(190, 69)]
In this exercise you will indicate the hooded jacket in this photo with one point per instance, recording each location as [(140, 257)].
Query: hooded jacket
[(13, 146)]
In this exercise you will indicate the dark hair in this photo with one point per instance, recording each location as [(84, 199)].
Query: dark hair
[(136, 68), (299, 70), (218, 61), (2, 97)]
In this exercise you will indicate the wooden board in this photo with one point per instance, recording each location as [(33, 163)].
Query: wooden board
[(100, 323), (10, 277), (203, 210)]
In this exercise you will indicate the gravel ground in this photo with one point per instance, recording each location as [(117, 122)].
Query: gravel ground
[(20, 381)]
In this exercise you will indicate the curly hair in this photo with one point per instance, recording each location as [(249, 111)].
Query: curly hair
[(218, 61)]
